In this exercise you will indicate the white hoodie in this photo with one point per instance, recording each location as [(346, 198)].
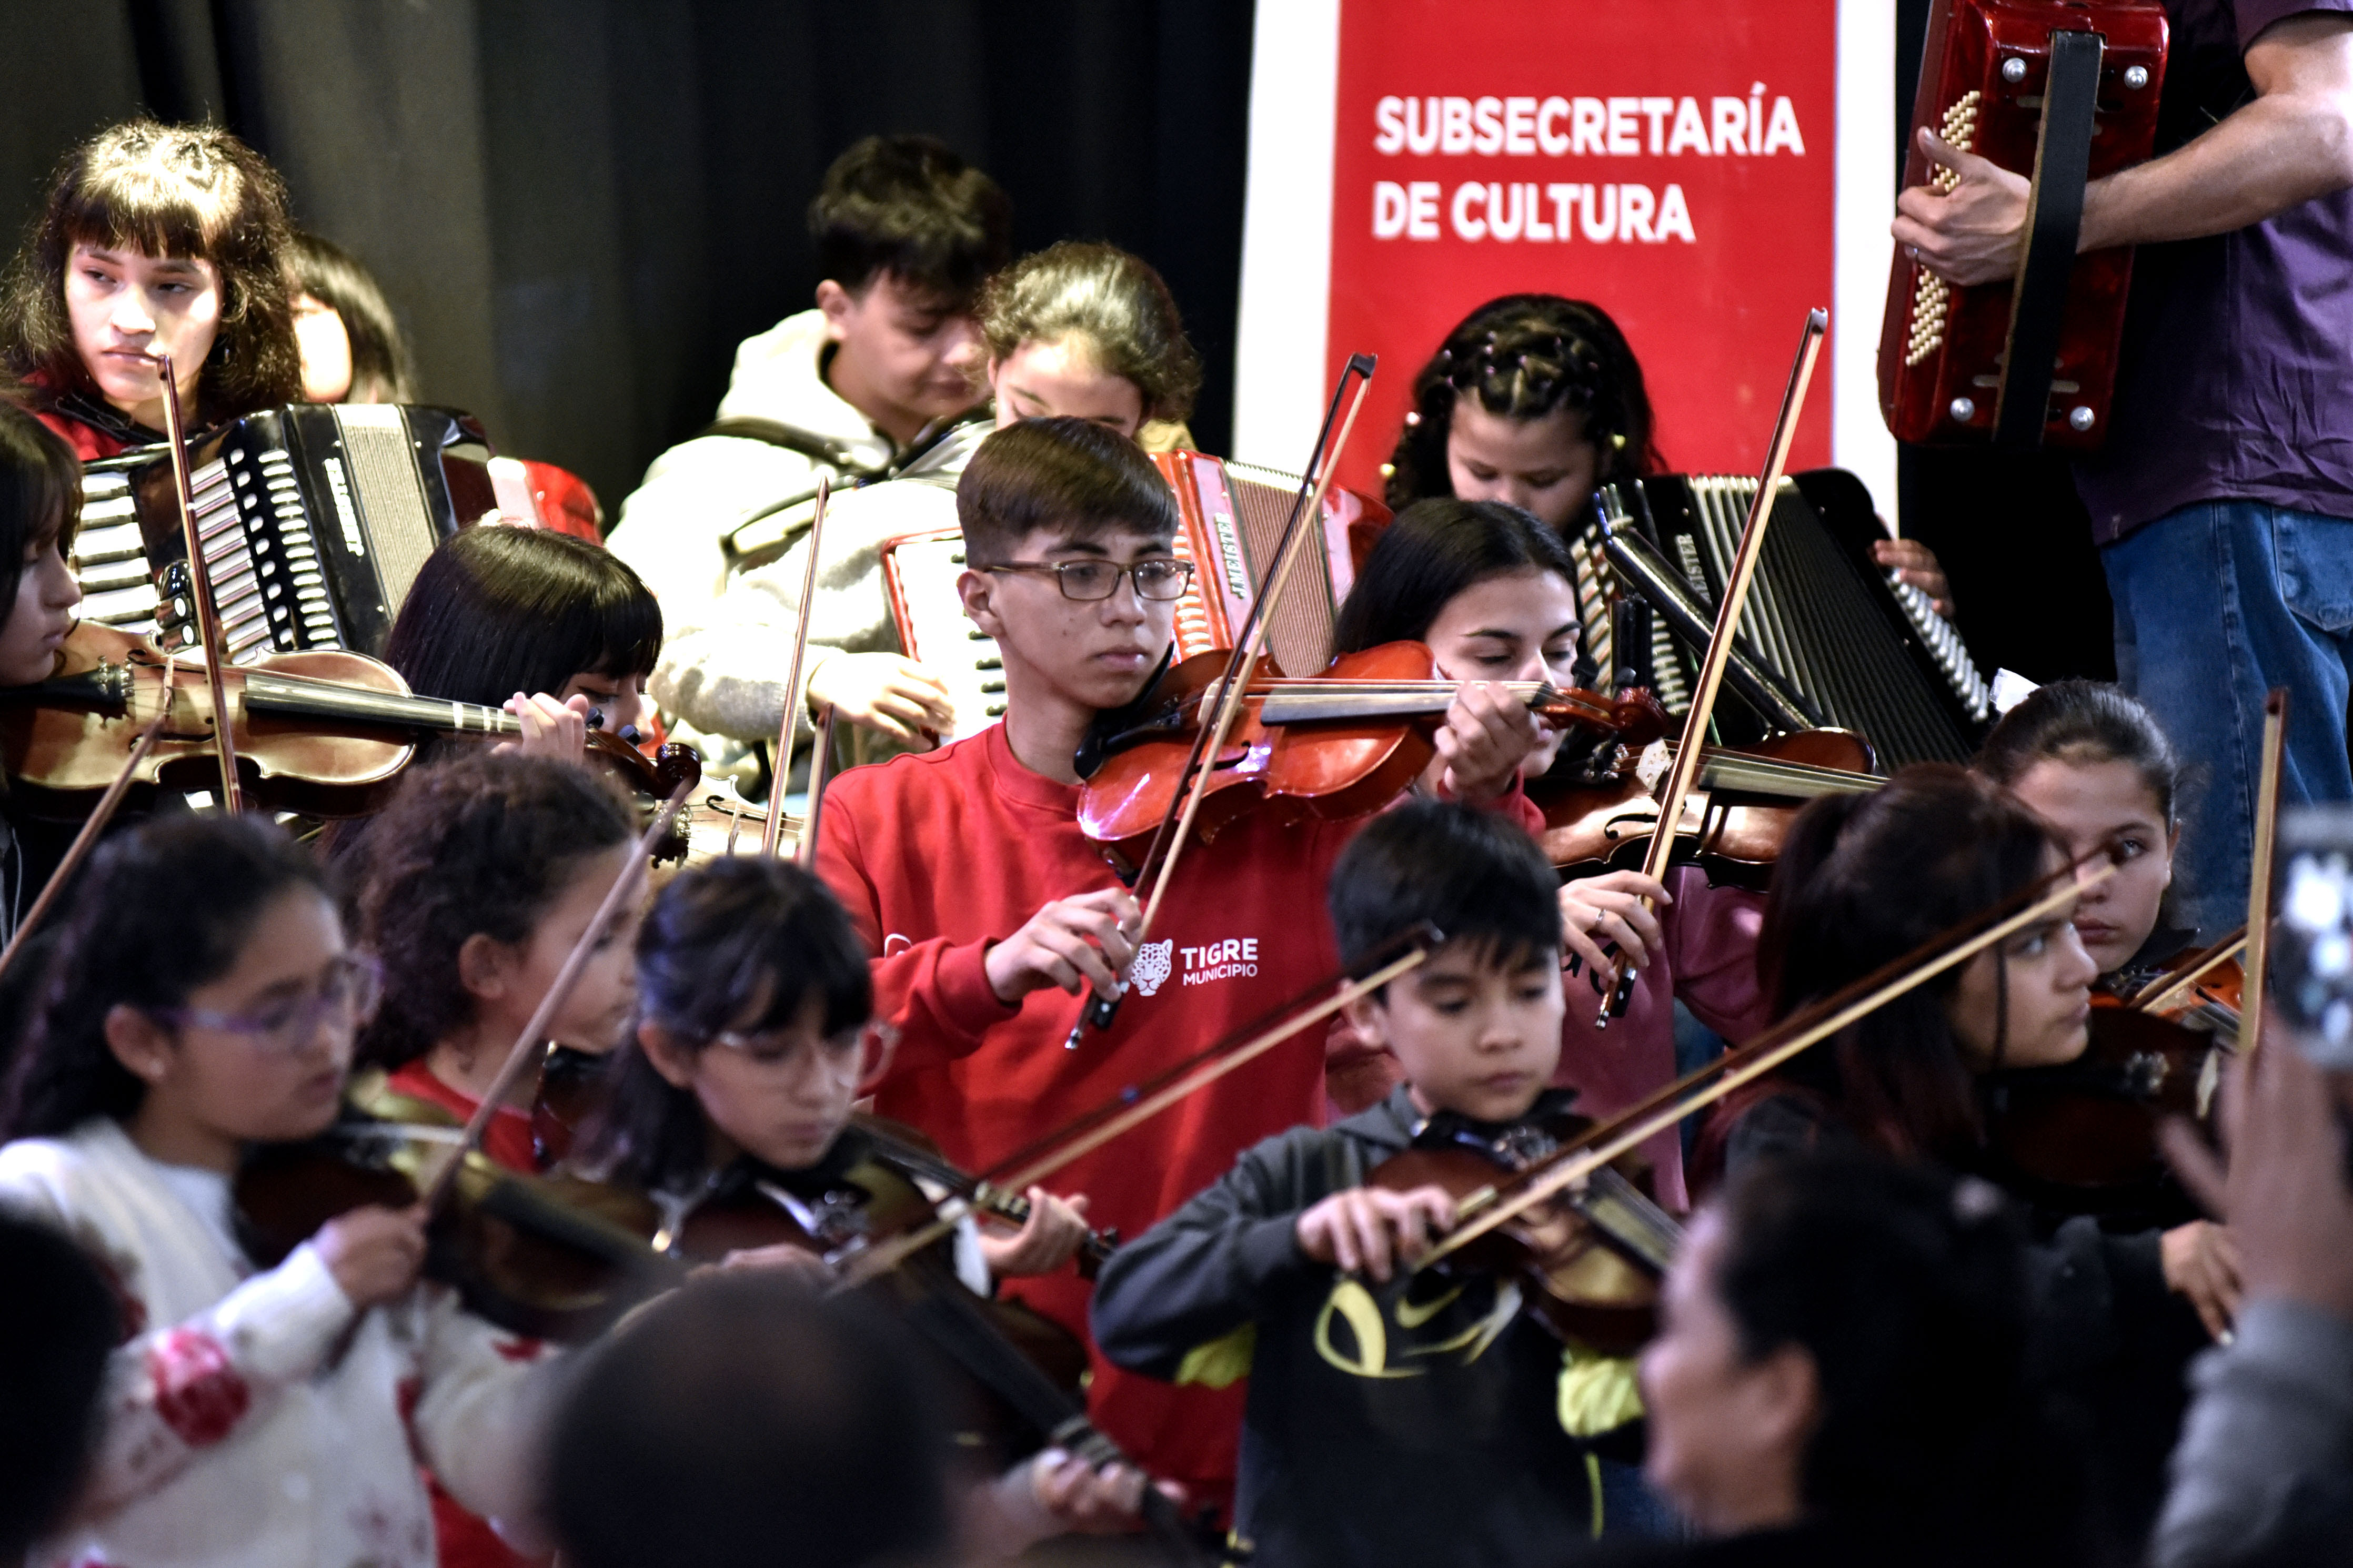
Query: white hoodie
[(248, 1419)]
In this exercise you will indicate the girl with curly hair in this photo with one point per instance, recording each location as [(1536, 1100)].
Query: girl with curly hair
[(155, 239), (273, 1416)]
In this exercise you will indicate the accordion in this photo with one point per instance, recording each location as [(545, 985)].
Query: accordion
[(2064, 91), (1231, 518), (313, 520), (1827, 638)]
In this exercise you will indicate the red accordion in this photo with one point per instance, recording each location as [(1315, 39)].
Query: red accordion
[(2064, 91)]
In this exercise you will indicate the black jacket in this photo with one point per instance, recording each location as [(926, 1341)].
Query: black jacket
[(1386, 1424)]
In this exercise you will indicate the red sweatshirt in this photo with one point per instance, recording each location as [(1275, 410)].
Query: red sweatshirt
[(938, 856)]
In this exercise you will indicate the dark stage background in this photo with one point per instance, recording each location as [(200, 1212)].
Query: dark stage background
[(580, 206)]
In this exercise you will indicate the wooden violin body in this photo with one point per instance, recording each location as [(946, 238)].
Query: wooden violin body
[(2082, 1135), (548, 1256), (321, 733), (1589, 1261), (1732, 825), (1340, 744)]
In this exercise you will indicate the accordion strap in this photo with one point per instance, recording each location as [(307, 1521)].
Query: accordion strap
[(2054, 221)]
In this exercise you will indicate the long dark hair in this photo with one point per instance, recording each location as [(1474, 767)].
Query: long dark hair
[(163, 910), (495, 611), (190, 191), (483, 843), (40, 495), (334, 277), (1864, 880), (1525, 356), (1908, 1290), (1114, 301), (1437, 548), (721, 936)]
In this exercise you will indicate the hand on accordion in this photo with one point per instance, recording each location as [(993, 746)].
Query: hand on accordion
[(1969, 233), (883, 691)]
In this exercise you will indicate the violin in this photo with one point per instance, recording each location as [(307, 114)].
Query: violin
[(2081, 1136), (550, 1257), (915, 1156), (2204, 988), (321, 733), (1733, 821), (1337, 745), (1588, 1262)]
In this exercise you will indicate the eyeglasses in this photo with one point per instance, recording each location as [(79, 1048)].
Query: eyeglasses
[(347, 992), (858, 1054), (1162, 578)]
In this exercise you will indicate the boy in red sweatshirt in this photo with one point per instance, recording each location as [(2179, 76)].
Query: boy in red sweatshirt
[(966, 873)]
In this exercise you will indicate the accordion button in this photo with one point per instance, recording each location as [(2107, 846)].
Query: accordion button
[(2135, 77), (1964, 410), (2081, 417), (2013, 70)]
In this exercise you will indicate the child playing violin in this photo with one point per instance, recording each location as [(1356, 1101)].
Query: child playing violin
[(40, 506), (966, 875), (2092, 763), (1864, 880), (479, 880), (203, 1001), (1493, 593), (155, 239), (1392, 1419), (752, 1044)]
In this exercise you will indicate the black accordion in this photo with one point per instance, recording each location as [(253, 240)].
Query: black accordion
[(1827, 639), (313, 520)]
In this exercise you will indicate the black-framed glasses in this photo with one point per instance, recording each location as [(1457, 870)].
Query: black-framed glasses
[(346, 992), (858, 1055), (1162, 578)]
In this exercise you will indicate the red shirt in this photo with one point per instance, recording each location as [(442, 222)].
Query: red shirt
[(938, 856), (463, 1540)]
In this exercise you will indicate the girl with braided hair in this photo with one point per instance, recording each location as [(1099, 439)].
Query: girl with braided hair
[(1532, 400)]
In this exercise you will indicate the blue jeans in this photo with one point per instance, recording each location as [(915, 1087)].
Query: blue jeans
[(2216, 604)]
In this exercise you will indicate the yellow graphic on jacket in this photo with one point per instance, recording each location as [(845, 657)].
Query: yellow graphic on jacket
[(1360, 1335)]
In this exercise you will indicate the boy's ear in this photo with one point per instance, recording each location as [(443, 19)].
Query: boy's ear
[(837, 303), (139, 1043), (978, 592), (484, 964), (667, 1054), (1369, 1016)]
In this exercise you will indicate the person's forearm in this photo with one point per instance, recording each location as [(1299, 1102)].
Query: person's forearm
[(2275, 153)]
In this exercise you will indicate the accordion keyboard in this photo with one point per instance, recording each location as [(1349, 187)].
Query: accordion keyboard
[(919, 573), (1868, 652), (268, 589), (111, 556)]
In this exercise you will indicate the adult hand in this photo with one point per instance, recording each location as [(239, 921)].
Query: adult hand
[(884, 692), (1090, 1501), (2285, 1193), (1595, 910), (1370, 1229), (550, 729), (1048, 1240), (1487, 734), (1917, 565), (1071, 942), (1970, 233), (374, 1252)]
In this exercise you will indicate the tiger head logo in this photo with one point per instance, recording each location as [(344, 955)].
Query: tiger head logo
[(1150, 971)]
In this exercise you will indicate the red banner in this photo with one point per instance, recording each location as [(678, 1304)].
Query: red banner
[(1671, 161)]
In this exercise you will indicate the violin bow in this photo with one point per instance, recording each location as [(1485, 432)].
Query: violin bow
[(1604, 1141), (820, 774), (1684, 772), (2259, 873), (200, 595), (528, 1046), (794, 697), (2153, 995), (1091, 1129), (86, 839), (1176, 824)]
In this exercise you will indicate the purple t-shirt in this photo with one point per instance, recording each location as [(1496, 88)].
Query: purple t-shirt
[(2236, 377)]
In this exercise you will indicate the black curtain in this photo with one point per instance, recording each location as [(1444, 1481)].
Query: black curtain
[(2014, 538), (579, 207)]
